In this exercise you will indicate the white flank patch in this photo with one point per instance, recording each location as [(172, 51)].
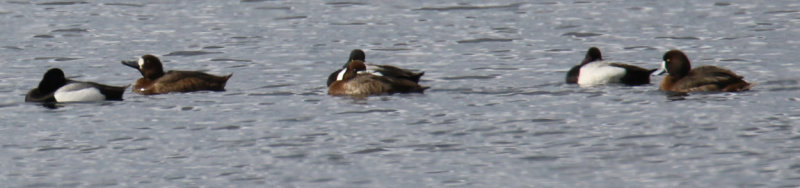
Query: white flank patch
[(340, 76), (600, 72), (76, 92)]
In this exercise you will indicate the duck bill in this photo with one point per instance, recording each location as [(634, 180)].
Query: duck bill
[(661, 70), (133, 64)]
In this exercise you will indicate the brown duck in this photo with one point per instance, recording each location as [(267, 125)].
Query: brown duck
[(357, 82), (384, 70), (155, 81), (682, 78)]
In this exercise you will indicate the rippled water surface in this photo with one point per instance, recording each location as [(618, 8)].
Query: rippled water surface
[(497, 115)]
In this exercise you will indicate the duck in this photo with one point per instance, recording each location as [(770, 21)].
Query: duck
[(356, 81), (55, 87), (155, 81), (382, 70), (683, 78), (593, 70)]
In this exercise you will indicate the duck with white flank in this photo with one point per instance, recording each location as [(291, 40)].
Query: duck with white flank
[(593, 70), (55, 87)]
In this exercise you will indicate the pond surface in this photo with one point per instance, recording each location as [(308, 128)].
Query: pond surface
[(498, 113)]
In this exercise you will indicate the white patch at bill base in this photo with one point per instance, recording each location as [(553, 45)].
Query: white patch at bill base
[(141, 63)]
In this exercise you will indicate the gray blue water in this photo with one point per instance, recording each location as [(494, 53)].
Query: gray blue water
[(497, 115)]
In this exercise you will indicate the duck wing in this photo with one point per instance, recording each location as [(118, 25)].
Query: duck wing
[(111, 92), (185, 81), (634, 75), (395, 72), (369, 84), (712, 78)]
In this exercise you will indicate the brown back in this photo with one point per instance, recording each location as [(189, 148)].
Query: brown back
[(182, 81), (709, 78)]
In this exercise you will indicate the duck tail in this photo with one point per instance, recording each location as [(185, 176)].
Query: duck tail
[(417, 76), (737, 87), (747, 87), (223, 82), (423, 88)]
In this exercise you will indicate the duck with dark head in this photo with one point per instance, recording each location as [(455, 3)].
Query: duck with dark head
[(383, 70), (155, 81), (683, 78), (593, 70), (357, 82), (55, 87)]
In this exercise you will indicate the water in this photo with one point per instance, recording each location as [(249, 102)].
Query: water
[(497, 115)]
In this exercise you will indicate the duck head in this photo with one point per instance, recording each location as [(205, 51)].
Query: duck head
[(52, 80), (149, 65), (358, 54), (353, 68), (592, 55), (675, 63)]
